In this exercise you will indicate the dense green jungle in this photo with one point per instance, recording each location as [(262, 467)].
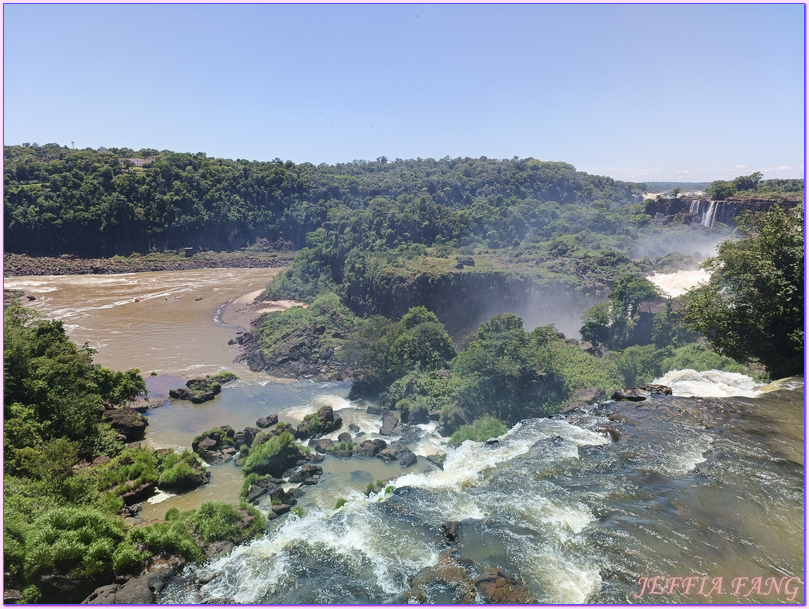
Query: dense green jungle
[(418, 276)]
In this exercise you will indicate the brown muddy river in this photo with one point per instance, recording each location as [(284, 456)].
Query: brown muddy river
[(169, 331)]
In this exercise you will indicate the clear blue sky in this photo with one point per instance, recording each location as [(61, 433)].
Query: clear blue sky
[(637, 92)]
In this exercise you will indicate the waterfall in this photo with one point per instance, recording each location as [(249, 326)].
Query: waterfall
[(707, 219), (694, 207)]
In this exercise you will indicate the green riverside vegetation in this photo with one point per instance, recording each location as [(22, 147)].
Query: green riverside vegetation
[(64, 521)]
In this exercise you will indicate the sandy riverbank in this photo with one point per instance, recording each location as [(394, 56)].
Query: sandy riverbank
[(244, 310)]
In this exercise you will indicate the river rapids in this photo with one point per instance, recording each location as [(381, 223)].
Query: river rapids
[(582, 509)]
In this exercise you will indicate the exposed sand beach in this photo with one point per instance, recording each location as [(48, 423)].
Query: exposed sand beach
[(244, 310)]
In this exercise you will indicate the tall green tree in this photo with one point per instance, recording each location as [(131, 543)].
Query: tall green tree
[(752, 309)]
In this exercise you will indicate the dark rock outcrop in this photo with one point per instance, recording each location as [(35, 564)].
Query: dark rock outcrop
[(143, 590), (322, 422), (216, 445), (306, 473), (437, 460), (268, 421), (640, 393), (197, 390), (494, 587), (398, 452), (245, 437), (130, 424), (456, 580), (370, 448), (141, 493), (391, 425)]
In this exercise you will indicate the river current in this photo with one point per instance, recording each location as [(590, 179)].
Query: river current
[(671, 500)]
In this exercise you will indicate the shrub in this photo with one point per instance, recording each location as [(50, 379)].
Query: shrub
[(480, 430), (181, 471), (340, 503), (273, 457), (699, 357), (171, 537), (79, 539), (216, 521), (126, 558)]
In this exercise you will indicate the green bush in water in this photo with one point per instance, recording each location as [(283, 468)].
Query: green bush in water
[(181, 471), (273, 457), (340, 503), (480, 430)]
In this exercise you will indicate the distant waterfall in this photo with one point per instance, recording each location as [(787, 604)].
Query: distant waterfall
[(707, 219), (694, 207)]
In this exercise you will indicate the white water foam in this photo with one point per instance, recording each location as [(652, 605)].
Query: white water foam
[(160, 497), (465, 464), (676, 284), (350, 536), (710, 384)]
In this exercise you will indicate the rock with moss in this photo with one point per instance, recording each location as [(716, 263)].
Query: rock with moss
[(216, 445), (201, 390), (274, 456), (275, 430), (317, 424), (182, 472), (129, 424)]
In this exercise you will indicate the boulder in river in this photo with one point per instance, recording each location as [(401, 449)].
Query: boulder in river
[(640, 393), (268, 421), (370, 448), (319, 423), (456, 580), (391, 425), (212, 445), (398, 452), (201, 390)]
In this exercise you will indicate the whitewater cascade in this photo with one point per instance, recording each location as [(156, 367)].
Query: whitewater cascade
[(694, 209), (579, 508), (708, 218)]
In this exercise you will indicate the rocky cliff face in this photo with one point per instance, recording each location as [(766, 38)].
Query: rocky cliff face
[(462, 301), (686, 211)]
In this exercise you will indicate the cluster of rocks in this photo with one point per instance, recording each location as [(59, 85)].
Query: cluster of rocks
[(220, 444), (16, 265), (458, 580), (270, 490)]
